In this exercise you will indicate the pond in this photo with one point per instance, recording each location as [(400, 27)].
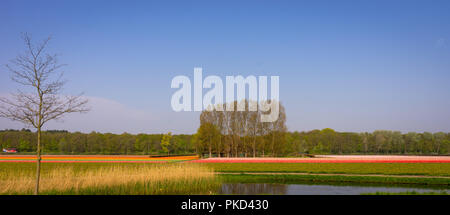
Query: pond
[(313, 189)]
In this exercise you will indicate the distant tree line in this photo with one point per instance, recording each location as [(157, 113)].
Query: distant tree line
[(270, 143), (328, 141), (242, 134), (63, 142)]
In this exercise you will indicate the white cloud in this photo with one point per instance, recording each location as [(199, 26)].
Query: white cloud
[(440, 42)]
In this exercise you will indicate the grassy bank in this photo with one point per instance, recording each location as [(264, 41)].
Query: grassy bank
[(109, 179), (430, 169), (407, 193), (293, 179), (413, 169)]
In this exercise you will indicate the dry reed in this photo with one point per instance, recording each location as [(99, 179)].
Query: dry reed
[(115, 179)]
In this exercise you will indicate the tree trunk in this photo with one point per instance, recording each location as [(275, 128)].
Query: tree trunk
[(210, 149), (38, 168), (254, 148), (219, 149), (273, 144)]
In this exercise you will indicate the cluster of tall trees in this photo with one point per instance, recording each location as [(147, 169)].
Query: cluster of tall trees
[(240, 133)]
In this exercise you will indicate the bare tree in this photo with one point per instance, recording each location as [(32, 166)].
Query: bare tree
[(39, 71)]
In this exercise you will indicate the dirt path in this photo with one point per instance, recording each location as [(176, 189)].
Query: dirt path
[(331, 174)]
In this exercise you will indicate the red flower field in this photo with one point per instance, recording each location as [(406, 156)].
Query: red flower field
[(95, 158)]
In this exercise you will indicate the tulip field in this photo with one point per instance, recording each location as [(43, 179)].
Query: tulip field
[(96, 159), (335, 159), (195, 175), (333, 164), (197, 159)]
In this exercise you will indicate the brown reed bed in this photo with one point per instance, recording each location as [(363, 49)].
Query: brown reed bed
[(112, 179)]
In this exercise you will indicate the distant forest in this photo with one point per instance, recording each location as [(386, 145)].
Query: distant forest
[(242, 133), (326, 141)]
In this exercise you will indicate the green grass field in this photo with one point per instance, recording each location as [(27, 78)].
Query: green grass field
[(422, 174), (426, 169), (335, 179), (407, 193)]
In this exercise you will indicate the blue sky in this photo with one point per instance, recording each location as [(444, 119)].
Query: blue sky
[(347, 65)]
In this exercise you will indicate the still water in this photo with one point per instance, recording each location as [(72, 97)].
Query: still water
[(309, 189)]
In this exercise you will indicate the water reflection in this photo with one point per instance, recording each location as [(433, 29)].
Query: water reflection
[(249, 189), (307, 189)]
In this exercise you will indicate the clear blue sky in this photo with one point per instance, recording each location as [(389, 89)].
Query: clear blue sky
[(347, 65)]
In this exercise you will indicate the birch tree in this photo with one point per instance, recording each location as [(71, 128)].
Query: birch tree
[(39, 73)]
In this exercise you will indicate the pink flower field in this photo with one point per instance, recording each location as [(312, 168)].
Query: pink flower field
[(335, 159)]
